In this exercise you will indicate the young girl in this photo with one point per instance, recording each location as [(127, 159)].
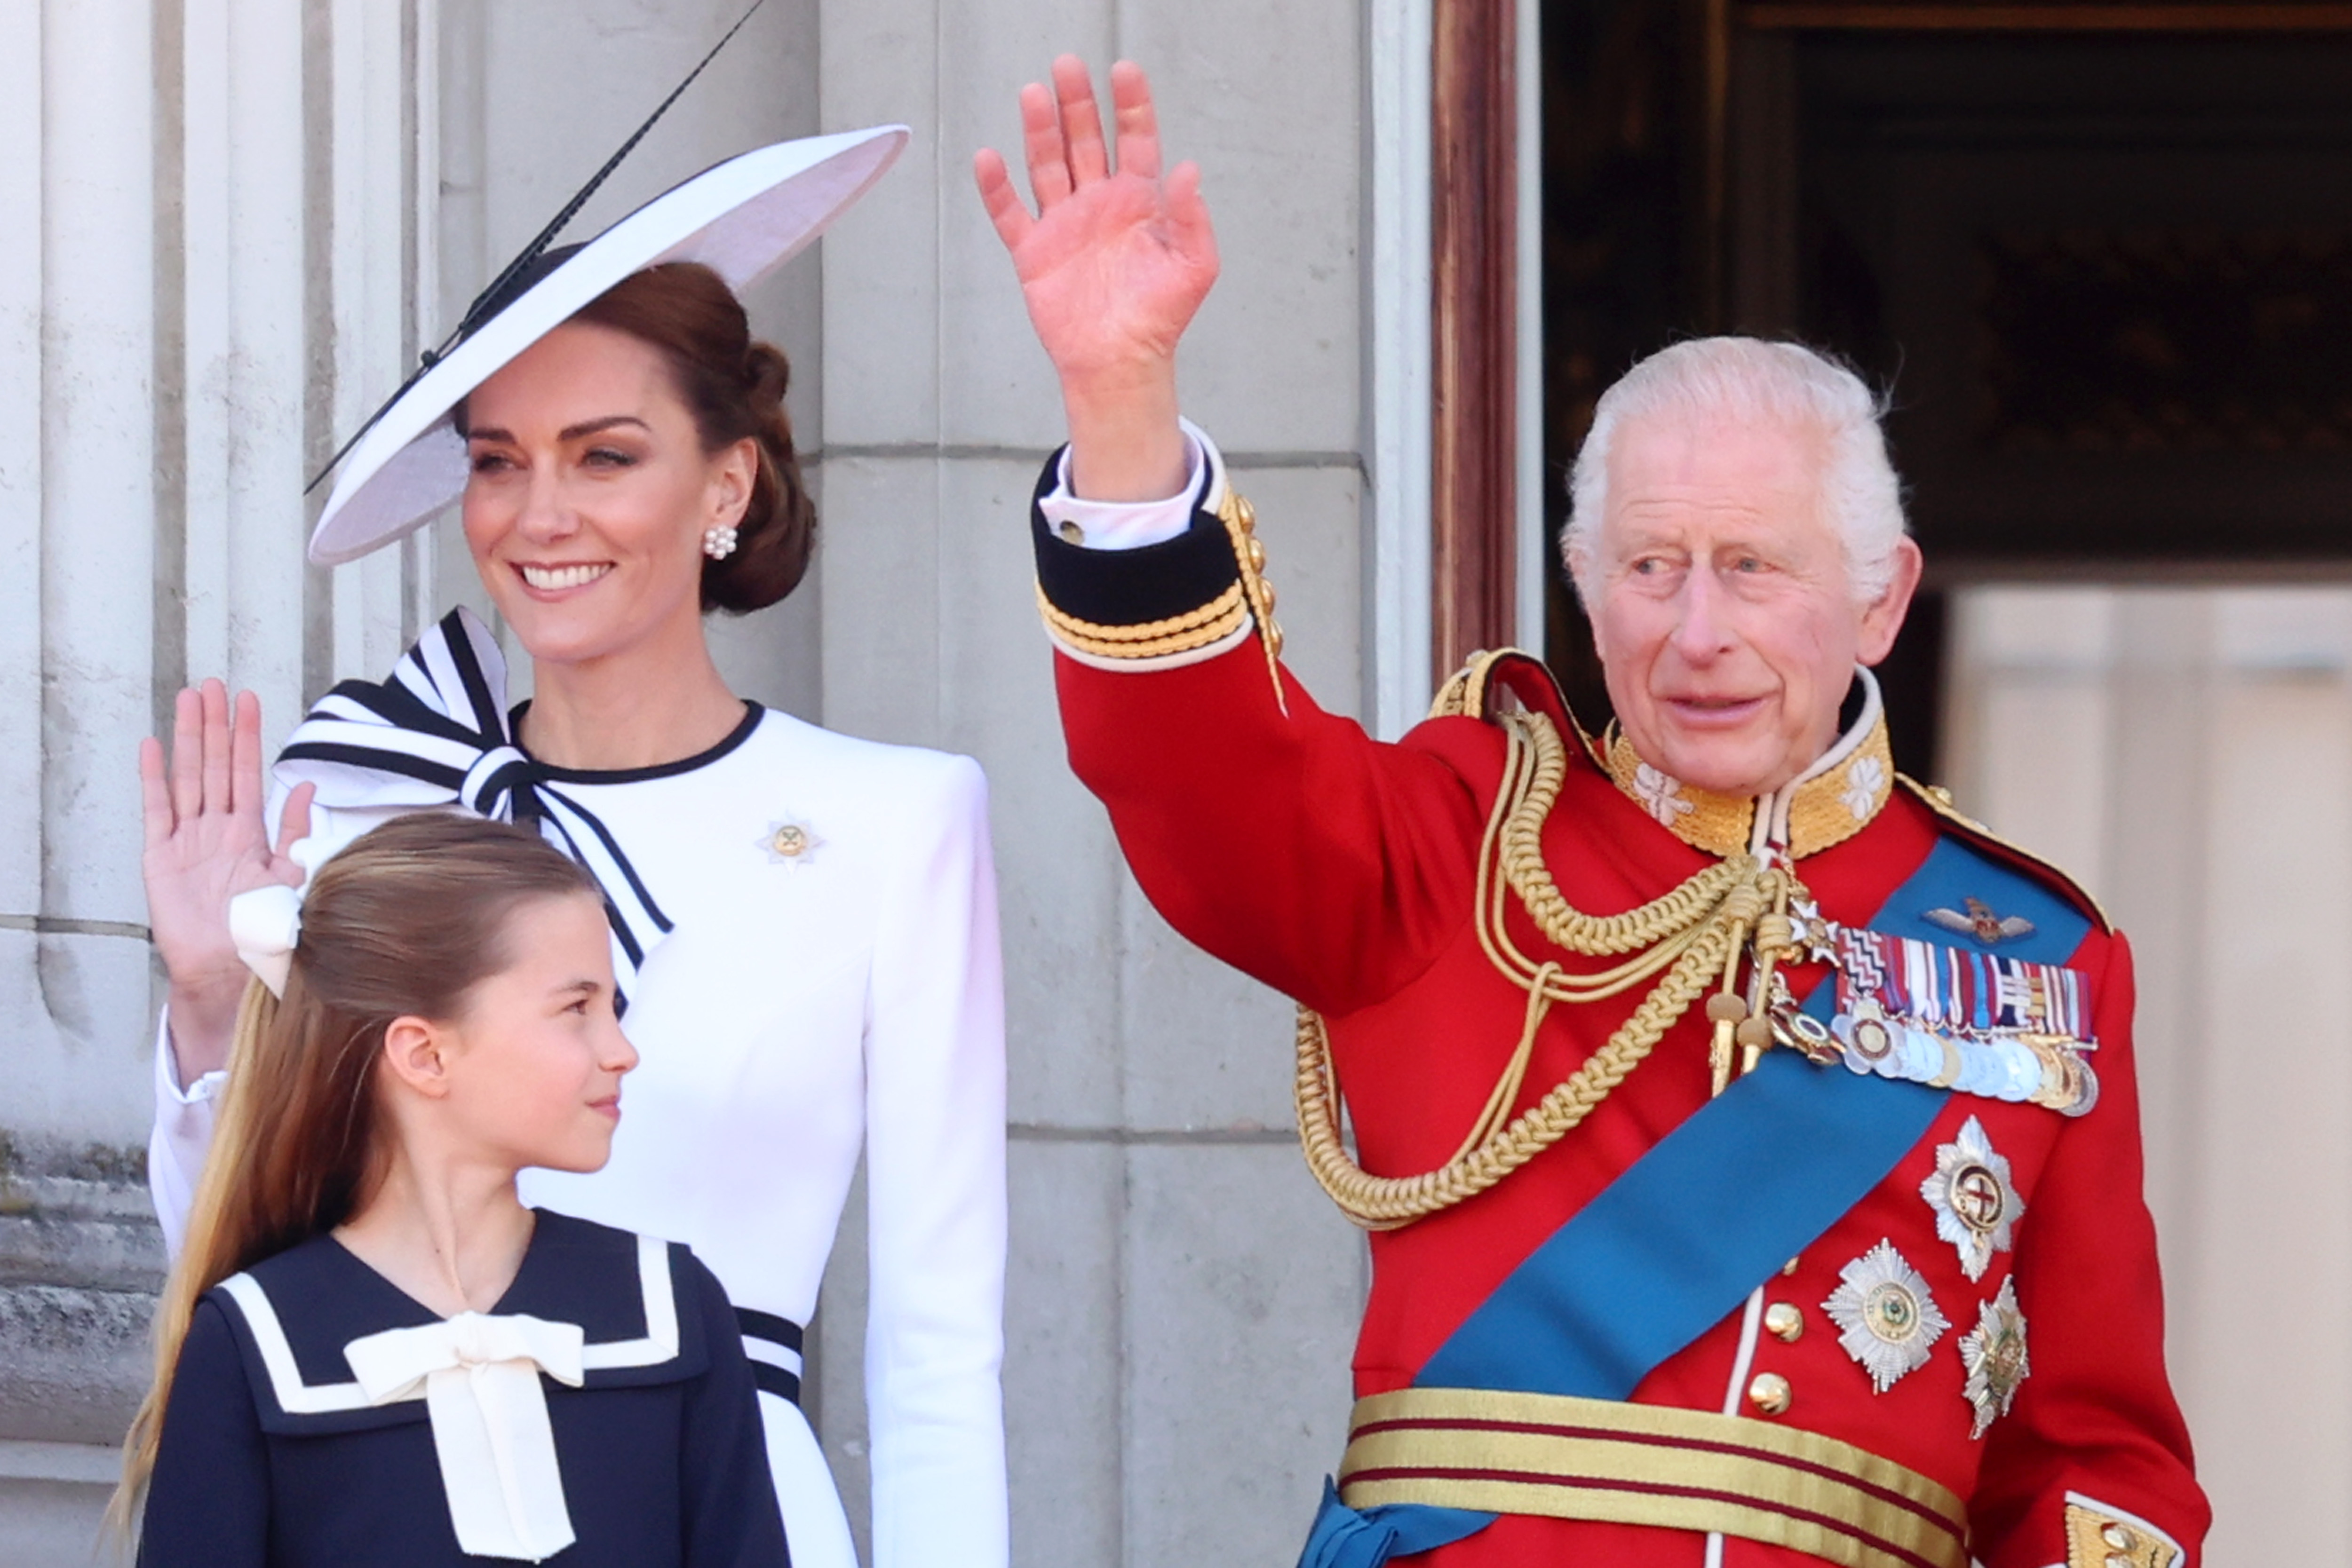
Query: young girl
[(371, 1352)]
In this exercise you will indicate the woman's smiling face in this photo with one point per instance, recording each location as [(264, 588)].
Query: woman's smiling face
[(590, 493)]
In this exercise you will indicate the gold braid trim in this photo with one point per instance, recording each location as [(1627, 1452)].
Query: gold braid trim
[(1249, 598), (1213, 622), (1561, 1456), (1695, 933)]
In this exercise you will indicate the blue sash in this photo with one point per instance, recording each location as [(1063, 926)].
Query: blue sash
[(1676, 1244), (1664, 1252)]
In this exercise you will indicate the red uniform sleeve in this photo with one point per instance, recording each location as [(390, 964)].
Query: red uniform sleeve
[(1281, 839), (1295, 847), (2095, 1419)]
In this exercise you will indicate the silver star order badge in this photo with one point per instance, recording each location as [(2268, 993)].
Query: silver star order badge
[(1975, 1207), (1994, 1353), (1886, 1318), (790, 842), (1816, 936)]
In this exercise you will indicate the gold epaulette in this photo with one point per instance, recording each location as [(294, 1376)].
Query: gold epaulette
[(1474, 692), (1938, 800), (1463, 694)]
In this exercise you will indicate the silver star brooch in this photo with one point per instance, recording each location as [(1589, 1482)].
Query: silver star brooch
[(1886, 1318)]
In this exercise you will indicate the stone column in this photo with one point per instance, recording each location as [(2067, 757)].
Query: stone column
[(77, 502), (241, 276), (183, 175)]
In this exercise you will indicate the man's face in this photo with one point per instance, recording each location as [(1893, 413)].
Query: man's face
[(1724, 616)]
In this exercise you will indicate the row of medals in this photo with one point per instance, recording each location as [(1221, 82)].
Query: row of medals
[(2017, 1065)]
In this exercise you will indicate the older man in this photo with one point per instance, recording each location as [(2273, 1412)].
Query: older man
[(1748, 1142)]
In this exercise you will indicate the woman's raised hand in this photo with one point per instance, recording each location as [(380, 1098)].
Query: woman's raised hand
[(206, 843), (1113, 265)]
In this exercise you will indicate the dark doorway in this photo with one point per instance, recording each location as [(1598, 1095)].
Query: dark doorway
[(2103, 275)]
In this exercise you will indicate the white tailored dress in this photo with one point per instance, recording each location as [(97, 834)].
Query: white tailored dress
[(829, 981)]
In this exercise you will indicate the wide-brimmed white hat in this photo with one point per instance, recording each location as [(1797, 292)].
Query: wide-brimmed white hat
[(741, 219)]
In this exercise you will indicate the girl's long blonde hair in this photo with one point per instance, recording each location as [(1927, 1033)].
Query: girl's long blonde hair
[(403, 924)]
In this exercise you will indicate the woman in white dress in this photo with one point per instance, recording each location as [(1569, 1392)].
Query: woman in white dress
[(803, 925)]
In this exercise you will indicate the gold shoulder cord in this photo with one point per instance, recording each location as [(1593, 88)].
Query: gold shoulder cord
[(1694, 934), (1249, 554)]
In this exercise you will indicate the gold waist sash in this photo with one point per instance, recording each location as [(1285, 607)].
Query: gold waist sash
[(1600, 1459)]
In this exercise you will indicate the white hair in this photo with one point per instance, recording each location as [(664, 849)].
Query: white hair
[(1751, 382)]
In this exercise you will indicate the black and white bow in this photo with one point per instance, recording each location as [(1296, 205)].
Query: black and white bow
[(436, 734)]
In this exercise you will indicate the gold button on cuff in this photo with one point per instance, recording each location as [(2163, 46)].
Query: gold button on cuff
[(1072, 532), (1788, 1270), (1769, 1393), (1785, 1321)]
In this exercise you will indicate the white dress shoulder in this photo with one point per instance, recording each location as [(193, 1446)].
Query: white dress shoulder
[(830, 984)]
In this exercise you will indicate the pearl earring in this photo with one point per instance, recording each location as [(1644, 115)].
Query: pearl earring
[(718, 543)]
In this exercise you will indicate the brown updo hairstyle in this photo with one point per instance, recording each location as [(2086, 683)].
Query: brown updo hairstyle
[(405, 923), (734, 386)]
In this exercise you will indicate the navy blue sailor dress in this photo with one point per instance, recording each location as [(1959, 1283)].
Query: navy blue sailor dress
[(273, 1453)]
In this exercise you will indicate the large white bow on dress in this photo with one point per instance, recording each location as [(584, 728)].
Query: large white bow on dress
[(436, 734), (490, 1429)]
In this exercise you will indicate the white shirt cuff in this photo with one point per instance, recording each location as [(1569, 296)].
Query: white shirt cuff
[(1124, 525), (184, 1131), (169, 1090)]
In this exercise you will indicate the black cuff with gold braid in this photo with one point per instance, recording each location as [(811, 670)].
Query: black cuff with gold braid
[(1159, 605)]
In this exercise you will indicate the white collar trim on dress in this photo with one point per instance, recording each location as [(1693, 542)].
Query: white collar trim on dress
[(658, 1344)]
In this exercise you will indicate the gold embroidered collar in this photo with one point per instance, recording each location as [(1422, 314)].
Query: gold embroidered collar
[(1828, 804)]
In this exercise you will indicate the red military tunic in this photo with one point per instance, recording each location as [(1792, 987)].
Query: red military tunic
[(1341, 871)]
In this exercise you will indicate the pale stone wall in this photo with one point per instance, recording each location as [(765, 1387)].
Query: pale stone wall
[(207, 263), (204, 263), (2188, 753)]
